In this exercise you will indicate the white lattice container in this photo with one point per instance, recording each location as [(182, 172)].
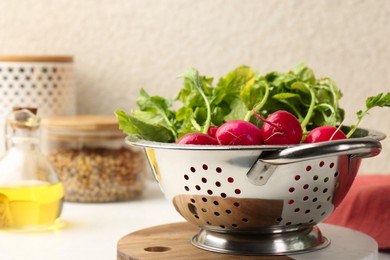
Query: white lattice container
[(45, 82)]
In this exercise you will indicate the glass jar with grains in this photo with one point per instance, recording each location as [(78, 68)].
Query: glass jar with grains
[(92, 159)]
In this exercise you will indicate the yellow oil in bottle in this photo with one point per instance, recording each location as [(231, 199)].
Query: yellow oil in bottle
[(30, 205)]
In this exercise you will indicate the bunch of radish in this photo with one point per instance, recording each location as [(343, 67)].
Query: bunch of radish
[(280, 128), (245, 107)]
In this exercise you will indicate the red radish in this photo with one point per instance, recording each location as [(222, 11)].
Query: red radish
[(238, 132), (281, 127), (197, 138), (212, 131), (323, 134)]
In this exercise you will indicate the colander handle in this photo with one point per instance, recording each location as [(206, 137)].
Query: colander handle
[(354, 147)]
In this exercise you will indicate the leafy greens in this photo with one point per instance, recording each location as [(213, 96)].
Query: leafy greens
[(237, 96)]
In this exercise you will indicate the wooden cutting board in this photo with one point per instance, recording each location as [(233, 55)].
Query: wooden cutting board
[(171, 241)]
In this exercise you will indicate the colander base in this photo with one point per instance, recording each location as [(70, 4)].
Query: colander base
[(294, 242)]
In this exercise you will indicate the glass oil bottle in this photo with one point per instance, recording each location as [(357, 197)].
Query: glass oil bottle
[(31, 194)]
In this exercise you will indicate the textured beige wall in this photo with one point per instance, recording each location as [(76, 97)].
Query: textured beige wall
[(122, 45)]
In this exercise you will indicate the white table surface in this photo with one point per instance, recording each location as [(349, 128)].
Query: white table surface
[(91, 231)]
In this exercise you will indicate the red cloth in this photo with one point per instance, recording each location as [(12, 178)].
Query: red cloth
[(366, 208)]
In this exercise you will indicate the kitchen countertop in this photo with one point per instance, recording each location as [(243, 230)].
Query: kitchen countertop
[(92, 231)]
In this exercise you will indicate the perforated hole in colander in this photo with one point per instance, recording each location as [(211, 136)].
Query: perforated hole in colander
[(200, 180), (215, 198), (310, 194)]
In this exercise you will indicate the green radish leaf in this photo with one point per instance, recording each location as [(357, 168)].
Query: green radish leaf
[(285, 96), (379, 100), (144, 129)]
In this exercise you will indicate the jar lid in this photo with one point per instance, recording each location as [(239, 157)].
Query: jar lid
[(82, 127), (35, 58)]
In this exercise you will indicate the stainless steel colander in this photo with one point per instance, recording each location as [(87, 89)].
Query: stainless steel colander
[(259, 200)]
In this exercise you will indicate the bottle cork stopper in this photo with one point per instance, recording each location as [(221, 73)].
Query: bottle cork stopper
[(24, 117), (33, 110)]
